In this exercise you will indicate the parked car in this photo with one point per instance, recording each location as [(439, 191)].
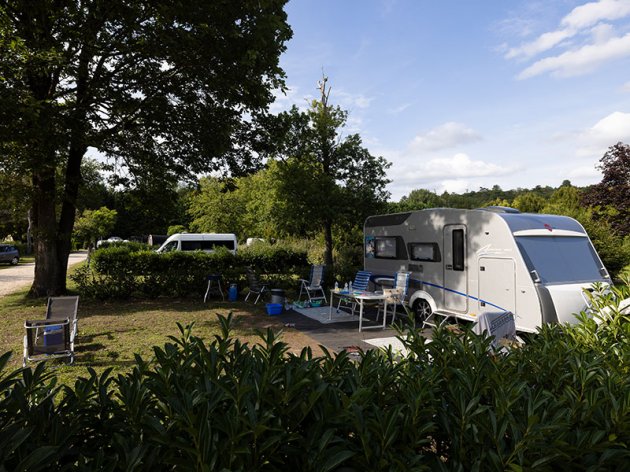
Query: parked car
[(110, 240), (10, 254)]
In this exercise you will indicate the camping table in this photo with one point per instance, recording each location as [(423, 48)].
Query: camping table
[(360, 297)]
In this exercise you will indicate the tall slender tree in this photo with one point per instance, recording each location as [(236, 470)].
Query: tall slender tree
[(326, 179), (167, 88)]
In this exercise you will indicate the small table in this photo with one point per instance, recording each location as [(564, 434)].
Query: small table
[(360, 297)]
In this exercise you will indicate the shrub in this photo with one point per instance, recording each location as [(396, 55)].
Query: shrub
[(122, 271), (450, 404)]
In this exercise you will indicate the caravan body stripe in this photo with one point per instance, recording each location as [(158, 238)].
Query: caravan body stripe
[(448, 290)]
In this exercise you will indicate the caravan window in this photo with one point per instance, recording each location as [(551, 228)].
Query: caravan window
[(211, 245), (560, 259), (458, 249), (429, 252), (385, 248), (390, 247)]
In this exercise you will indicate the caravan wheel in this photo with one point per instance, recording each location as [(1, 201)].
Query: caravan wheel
[(422, 310)]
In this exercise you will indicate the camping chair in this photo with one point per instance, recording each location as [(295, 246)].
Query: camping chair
[(361, 282), (395, 296), (499, 324), (47, 339), (53, 337), (314, 284), (214, 286), (254, 285)]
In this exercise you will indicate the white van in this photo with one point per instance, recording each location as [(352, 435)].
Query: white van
[(207, 242), (464, 262)]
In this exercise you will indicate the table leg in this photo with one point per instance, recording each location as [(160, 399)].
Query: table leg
[(360, 314), (384, 313), (331, 305)]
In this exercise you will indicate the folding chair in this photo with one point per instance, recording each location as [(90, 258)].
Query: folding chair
[(62, 308), (313, 285), (255, 286), (361, 283), (53, 337), (395, 296), (499, 324), (47, 339), (214, 285)]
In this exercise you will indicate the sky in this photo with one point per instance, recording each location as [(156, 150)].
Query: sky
[(463, 94)]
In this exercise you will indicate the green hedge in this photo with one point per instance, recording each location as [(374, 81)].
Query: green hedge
[(121, 271), (558, 403)]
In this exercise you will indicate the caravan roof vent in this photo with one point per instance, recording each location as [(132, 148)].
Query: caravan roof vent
[(500, 209)]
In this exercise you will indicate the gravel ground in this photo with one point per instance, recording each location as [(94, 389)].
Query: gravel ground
[(17, 277)]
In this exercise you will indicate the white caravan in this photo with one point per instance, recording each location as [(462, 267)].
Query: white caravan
[(464, 262), (199, 242)]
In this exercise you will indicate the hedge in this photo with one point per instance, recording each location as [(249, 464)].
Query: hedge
[(120, 271), (561, 402)]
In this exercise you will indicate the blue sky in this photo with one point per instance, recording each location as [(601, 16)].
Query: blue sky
[(466, 94)]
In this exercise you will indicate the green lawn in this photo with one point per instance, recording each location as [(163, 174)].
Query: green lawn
[(110, 333)]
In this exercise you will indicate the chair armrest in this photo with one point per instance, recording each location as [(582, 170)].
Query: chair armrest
[(33, 324)]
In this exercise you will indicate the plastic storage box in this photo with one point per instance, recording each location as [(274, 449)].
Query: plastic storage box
[(274, 308)]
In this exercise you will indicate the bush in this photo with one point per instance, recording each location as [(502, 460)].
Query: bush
[(123, 271), (451, 404)]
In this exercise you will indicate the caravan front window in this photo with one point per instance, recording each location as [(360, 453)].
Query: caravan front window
[(561, 259)]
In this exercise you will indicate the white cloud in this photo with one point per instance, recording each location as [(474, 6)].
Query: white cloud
[(580, 61), (541, 44), (444, 136), (595, 42), (591, 13), (588, 173), (626, 87), (608, 131), (399, 109), (348, 100), (460, 165)]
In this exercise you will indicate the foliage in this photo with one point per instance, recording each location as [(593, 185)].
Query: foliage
[(164, 89), (325, 179), (560, 402), (529, 202), (614, 189), (175, 229), (122, 270), (94, 224)]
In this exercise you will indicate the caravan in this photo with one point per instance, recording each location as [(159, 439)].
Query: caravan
[(207, 242), (465, 262)]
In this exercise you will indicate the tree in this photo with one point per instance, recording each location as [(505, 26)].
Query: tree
[(419, 199), (94, 224), (326, 179), (529, 202), (614, 189), (216, 209), (164, 88)]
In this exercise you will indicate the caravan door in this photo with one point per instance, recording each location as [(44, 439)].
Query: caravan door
[(455, 270)]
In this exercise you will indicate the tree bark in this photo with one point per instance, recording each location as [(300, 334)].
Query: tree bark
[(328, 249)]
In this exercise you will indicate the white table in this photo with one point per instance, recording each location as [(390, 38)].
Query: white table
[(360, 297)]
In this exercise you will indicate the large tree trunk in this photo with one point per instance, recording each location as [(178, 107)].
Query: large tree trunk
[(48, 261), (54, 239), (328, 249)]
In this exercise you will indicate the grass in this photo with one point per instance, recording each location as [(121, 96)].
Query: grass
[(110, 333)]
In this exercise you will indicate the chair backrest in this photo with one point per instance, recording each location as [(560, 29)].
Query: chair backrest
[(60, 308), (361, 280), (499, 324), (317, 275), (252, 279), (401, 281)]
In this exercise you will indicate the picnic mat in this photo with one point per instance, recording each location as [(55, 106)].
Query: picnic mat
[(394, 342), (320, 314)]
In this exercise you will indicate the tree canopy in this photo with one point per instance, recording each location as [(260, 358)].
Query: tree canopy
[(164, 89)]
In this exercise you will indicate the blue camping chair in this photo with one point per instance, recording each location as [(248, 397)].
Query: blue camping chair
[(361, 283), (395, 296), (313, 286)]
